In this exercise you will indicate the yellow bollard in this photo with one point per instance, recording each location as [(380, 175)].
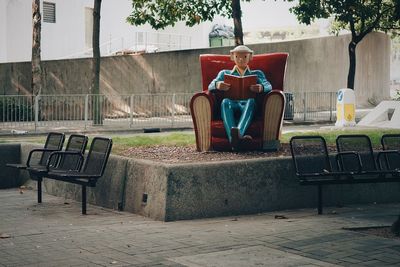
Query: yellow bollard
[(345, 108)]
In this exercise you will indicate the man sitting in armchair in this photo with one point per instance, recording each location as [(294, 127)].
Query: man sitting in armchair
[(236, 130)]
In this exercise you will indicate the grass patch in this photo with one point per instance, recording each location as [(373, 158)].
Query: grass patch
[(184, 139), (121, 143), (172, 139)]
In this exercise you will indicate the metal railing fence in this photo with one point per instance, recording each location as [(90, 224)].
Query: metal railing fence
[(142, 41), (314, 106), (134, 111)]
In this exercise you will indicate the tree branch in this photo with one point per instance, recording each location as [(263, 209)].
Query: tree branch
[(375, 24), (378, 17), (352, 29), (388, 28)]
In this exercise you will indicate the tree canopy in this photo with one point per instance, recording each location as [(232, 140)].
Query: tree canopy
[(162, 13), (359, 16)]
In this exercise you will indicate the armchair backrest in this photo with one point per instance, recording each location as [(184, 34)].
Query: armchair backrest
[(273, 65)]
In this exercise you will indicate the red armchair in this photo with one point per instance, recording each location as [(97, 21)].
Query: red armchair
[(266, 126)]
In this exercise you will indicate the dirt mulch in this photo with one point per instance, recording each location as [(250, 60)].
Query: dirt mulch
[(188, 154)]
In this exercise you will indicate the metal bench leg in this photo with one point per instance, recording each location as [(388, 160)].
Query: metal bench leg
[(83, 199), (39, 189), (319, 199)]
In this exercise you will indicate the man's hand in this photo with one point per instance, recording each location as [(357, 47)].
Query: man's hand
[(223, 86), (256, 88)]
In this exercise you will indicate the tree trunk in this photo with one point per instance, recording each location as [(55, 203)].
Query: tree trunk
[(237, 22), (352, 66), (36, 82), (95, 88)]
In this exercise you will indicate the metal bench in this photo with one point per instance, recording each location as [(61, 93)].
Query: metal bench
[(54, 142), (353, 163), (69, 160), (87, 175)]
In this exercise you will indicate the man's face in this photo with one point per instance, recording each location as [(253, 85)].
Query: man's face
[(241, 59)]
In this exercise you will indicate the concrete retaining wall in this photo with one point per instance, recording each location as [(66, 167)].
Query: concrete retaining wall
[(9, 177), (253, 186), (169, 192), (318, 64)]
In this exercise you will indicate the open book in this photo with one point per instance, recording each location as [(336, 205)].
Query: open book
[(240, 86)]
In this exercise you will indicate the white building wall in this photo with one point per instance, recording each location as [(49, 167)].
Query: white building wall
[(3, 31), (19, 30), (115, 28), (66, 37)]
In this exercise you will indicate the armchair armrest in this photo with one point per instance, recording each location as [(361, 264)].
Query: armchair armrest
[(201, 109), (212, 97), (271, 94), (273, 106)]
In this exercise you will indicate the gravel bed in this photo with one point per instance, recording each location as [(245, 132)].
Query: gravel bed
[(188, 154)]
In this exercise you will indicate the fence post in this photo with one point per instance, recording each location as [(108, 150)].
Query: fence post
[(4, 108), (304, 106), (86, 109), (36, 107), (330, 107), (173, 110), (131, 111)]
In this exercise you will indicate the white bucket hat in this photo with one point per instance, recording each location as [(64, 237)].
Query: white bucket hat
[(242, 48)]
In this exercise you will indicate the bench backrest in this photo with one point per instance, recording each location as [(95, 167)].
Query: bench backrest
[(54, 141), (360, 144), (97, 157), (76, 143), (310, 155), (391, 142)]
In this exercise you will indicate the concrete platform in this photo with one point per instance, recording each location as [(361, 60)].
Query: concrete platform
[(54, 233), (170, 192)]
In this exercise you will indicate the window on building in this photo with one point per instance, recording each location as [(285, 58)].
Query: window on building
[(49, 12)]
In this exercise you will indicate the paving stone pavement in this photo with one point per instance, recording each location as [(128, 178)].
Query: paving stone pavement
[(54, 233)]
